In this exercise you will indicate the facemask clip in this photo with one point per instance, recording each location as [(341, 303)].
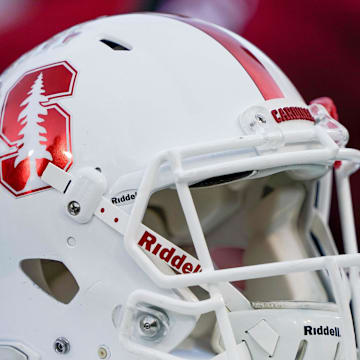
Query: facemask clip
[(256, 120)]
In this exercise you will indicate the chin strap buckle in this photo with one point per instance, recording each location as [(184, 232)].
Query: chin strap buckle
[(83, 191)]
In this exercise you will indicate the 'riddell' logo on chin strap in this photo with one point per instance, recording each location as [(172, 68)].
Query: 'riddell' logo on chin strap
[(178, 259)]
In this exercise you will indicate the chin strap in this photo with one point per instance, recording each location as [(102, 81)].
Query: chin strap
[(83, 198)]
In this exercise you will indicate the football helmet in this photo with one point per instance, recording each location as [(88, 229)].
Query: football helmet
[(165, 194)]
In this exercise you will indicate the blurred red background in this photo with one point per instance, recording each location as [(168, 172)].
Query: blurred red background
[(315, 42)]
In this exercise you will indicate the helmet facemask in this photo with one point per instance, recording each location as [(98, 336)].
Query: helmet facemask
[(286, 285)]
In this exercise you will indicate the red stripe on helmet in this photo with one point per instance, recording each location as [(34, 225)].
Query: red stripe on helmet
[(256, 70)]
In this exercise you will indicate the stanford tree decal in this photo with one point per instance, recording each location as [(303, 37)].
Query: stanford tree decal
[(35, 128), (32, 144)]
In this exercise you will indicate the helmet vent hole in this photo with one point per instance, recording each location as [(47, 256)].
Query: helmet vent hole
[(115, 45), (53, 277), (223, 179)]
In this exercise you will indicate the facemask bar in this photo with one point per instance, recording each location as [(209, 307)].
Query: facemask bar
[(182, 178), (215, 303), (324, 196), (349, 233)]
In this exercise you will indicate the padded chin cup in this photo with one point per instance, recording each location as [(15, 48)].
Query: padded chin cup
[(279, 328)]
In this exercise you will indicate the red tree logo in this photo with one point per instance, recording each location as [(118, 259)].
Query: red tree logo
[(35, 129)]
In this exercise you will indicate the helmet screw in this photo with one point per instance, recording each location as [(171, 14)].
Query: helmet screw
[(260, 118), (73, 208), (150, 326), (61, 346)]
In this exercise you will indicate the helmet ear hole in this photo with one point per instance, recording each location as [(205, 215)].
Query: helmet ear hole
[(53, 277)]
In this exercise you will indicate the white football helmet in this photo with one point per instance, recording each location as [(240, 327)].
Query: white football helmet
[(165, 194)]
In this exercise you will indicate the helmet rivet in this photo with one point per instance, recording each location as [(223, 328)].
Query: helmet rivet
[(73, 208), (71, 241), (103, 352), (61, 346), (149, 326)]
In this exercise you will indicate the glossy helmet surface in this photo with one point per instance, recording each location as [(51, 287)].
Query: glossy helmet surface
[(104, 128)]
